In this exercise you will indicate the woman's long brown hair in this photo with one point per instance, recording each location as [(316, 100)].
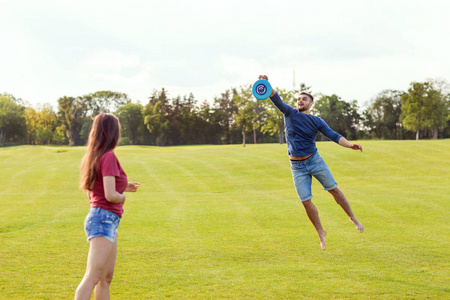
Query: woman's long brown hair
[(103, 137)]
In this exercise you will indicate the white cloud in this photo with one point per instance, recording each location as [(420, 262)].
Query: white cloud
[(110, 65)]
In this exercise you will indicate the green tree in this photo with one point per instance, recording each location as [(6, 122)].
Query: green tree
[(96, 103), (72, 112), (162, 97), (47, 123), (188, 120), (341, 116), (157, 123), (41, 125), (224, 114), (132, 121), (424, 107), (85, 129), (156, 116), (12, 120), (59, 136), (258, 117), (12, 98), (383, 115), (104, 102), (183, 120), (208, 131), (246, 110), (413, 107), (32, 120), (438, 106)]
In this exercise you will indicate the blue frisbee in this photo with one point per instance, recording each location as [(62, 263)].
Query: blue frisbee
[(261, 89)]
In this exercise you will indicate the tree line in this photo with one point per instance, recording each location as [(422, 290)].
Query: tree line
[(233, 117)]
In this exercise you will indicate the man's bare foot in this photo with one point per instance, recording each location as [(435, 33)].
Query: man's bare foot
[(357, 225), (322, 233)]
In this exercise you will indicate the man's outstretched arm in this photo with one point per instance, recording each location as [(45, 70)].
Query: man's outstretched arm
[(277, 101), (345, 143)]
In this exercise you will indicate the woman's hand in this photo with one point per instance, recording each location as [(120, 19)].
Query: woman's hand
[(132, 186)]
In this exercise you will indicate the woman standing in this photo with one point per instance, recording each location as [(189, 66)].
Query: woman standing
[(104, 179)]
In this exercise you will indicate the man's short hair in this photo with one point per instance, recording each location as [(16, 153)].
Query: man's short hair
[(309, 95)]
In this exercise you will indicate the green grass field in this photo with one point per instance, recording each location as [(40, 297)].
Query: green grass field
[(224, 222)]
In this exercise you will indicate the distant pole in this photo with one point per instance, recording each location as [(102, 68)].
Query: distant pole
[(293, 79)]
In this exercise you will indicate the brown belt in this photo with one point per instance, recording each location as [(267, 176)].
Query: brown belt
[(299, 158)]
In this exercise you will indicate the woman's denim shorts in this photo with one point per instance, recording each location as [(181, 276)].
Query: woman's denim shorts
[(101, 222), (302, 172)]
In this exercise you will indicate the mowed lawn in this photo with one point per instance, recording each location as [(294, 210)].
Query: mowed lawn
[(224, 222)]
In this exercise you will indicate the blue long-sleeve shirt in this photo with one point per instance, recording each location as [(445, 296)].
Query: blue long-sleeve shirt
[(301, 129)]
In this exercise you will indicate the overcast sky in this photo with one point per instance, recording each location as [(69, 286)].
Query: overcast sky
[(352, 48)]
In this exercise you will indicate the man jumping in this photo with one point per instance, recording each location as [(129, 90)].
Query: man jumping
[(301, 131)]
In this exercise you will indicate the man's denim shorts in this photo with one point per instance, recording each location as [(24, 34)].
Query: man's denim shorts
[(302, 172), (101, 222)]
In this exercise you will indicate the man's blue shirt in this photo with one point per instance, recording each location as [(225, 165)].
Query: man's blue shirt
[(301, 129)]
